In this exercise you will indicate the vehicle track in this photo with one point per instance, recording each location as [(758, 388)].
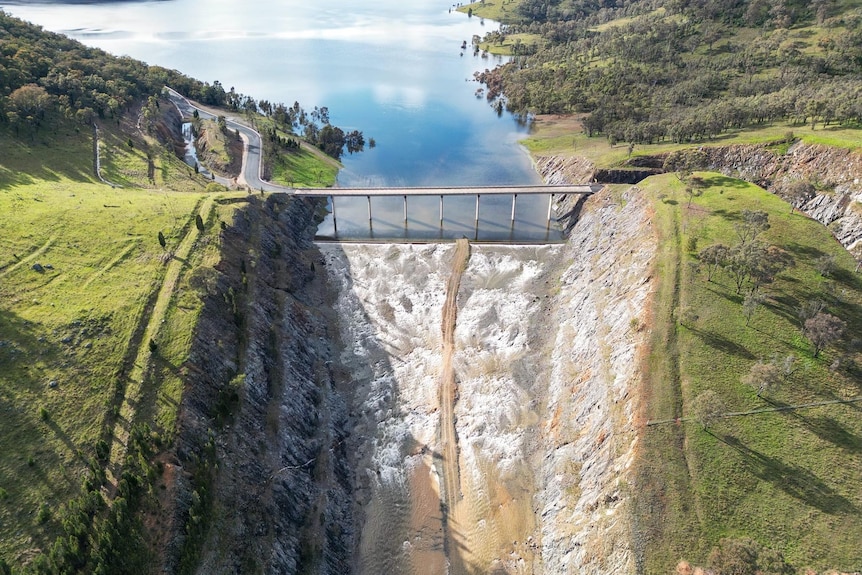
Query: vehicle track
[(449, 392)]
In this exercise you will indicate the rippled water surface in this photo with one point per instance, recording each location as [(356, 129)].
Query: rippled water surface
[(394, 70)]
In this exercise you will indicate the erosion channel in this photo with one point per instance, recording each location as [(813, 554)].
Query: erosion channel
[(434, 408)]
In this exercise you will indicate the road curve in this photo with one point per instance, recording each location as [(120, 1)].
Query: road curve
[(252, 162)]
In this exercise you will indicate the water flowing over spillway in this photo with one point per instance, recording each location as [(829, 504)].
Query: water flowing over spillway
[(191, 155), (391, 307), (516, 463)]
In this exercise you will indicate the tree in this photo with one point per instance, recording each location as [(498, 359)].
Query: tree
[(693, 192), (823, 329), (752, 224), (763, 377), (826, 265), (707, 408), (162, 241), (30, 102), (746, 557), (713, 257), (199, 222), (752, 301), (809, 309), (766, 263)]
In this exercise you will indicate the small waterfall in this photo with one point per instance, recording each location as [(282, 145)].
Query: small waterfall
[(191, 155)]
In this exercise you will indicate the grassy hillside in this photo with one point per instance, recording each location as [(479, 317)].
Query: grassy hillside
[(786, 478), (85, 286)]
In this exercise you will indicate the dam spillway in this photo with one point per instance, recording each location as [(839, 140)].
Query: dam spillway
[(395, 353), (543, 358)]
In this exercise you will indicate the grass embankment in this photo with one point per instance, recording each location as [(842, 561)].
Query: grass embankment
[(501, 11), (790, 480), (303, 167), (564, 136), (72, 331)]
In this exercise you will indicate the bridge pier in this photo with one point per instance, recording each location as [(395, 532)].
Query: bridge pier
[(514, 198), (405, 209), (441, 210), (477, 207), (550, 207), (334, 219), (369, 207)]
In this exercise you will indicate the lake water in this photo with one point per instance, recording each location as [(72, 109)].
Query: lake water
[(394, 70), (391, 69)]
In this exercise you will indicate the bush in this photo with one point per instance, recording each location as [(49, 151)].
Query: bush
[(44, 513)]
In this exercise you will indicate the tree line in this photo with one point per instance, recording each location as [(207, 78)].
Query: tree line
[(684, 70), (47, 78)]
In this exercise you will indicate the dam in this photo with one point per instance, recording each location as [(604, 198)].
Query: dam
[(444, 213), (485, 399)]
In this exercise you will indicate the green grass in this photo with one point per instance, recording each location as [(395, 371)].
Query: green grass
[(789, 480), (507, 48), (497, 10), (305, 168), (70, 325), (24, 161), (564, 136), (70, 333)]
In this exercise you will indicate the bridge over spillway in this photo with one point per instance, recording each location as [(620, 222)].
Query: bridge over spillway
[(442, 192)]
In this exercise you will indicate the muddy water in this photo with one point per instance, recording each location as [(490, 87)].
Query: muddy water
[(391, 307)]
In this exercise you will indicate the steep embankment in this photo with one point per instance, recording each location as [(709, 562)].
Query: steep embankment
[(835, 172), (311, 435), (260, 483), (588, 440)]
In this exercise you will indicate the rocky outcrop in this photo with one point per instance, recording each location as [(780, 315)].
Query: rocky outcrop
[(588, 440), (260, 443), (837, 174), (561, 170)]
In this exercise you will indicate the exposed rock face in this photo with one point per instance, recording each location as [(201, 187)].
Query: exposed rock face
[(588, 439), (292, 464), (838, 171), (546, 360), (261, 423), (558, 170)]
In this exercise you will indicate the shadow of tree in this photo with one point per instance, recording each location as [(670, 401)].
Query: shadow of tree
[(825, 427), (723, 344), (795, 481), (724, 182)]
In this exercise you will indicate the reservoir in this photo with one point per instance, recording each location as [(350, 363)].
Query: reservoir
[(394, 70)]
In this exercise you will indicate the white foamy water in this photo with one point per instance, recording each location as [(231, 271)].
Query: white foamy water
[(191, 154), (390, 309)]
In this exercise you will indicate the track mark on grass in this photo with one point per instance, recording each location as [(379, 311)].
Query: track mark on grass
[(117, 259), (30, 257), (137, 377)]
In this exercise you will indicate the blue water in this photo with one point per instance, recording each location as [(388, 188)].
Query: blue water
[(390, 68)]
